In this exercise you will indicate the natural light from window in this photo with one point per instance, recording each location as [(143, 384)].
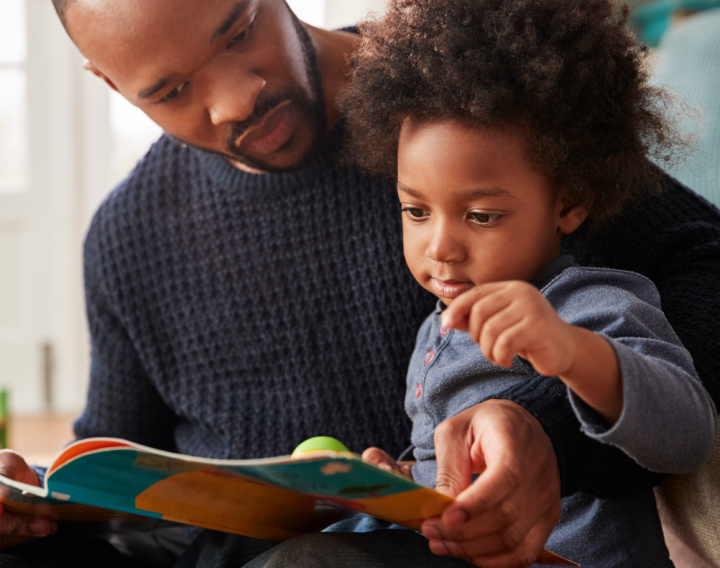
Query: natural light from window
[(13, 103)]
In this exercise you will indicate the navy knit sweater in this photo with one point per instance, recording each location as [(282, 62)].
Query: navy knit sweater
[(234, 315)]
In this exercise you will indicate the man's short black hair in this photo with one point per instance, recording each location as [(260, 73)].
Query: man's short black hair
[(61, 7), (567, 73)]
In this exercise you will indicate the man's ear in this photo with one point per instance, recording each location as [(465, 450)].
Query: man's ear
[(88, 66), (572, 214)]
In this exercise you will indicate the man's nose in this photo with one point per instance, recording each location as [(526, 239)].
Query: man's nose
[(445, 245), (233, 97)]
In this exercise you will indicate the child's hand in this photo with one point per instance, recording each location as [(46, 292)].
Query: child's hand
[(382, 459), (513, 318)]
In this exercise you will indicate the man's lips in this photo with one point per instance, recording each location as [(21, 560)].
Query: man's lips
[(449, 289), (271, 133)]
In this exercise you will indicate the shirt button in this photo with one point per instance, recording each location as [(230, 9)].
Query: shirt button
[(418, 391), (429, 356), (444, 330)]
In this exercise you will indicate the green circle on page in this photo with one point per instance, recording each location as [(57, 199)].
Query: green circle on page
[(320, 443)]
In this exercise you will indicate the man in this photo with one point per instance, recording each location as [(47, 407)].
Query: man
[(251, 294)]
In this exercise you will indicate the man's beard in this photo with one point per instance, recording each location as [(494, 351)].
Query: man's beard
[(313, 106)]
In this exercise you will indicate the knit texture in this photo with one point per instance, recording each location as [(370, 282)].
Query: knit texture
[(234, 315)]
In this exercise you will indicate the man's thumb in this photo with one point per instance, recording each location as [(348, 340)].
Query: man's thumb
[(454, 462)]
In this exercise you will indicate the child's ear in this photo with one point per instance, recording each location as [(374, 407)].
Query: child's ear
[(572, 214)]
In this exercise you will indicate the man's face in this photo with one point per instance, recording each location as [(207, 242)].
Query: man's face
[(236, 77)]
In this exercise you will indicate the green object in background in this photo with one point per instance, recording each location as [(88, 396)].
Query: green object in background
[(318, 444), (3, 418), (651, 20)]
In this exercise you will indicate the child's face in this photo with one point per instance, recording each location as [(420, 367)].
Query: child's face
[(474, 210)]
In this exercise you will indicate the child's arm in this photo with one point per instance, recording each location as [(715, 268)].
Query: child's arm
[(509, 318), (667, 421)]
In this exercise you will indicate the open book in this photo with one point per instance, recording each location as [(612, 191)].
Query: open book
[(272, 499)]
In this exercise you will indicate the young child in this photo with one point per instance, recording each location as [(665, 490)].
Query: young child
[(509, 124)]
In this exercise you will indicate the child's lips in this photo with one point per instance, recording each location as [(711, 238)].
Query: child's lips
[(449, 289)]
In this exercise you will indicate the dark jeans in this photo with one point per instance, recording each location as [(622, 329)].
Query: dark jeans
[(374, 544), (102, 545), (377, 549)]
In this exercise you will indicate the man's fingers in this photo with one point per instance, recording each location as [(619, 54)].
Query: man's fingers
[(505, 522), (527, 552), (14, 467), (16, 525), (495, 485), (454, 460), (503, 549)]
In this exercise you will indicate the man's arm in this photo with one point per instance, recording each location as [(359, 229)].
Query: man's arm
[(122, 401)]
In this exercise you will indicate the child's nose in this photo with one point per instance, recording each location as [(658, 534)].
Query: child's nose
[(445, 245)]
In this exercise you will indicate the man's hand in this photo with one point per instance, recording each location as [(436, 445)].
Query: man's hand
[(15, 528), (503, 519), (383, 460)]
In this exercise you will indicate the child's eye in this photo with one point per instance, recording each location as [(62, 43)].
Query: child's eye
[(175, 93), (414, 212), (483, 218), (241, 36)]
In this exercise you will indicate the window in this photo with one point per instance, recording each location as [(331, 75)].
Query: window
[(309, 11), (13, 107), (132, 135)]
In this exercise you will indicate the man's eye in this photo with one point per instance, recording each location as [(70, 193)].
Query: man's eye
[(414, 212), (241, 36), (483, 218), (175, 93)]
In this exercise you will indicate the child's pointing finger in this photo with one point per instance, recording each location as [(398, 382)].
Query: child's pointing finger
[(457, 314)]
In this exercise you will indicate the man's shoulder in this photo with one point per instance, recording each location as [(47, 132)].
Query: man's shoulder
[(156, 186)]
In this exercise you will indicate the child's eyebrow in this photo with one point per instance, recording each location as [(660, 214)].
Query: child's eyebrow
[(490, 191)]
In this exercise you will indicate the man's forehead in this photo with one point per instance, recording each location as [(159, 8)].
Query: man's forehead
[(124, 38), (130, 18)]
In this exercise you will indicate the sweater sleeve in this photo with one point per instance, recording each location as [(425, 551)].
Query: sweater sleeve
[(673, 239), (668, 422), (122, 401)]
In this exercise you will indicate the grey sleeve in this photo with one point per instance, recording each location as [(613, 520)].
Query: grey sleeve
[(668, 421)]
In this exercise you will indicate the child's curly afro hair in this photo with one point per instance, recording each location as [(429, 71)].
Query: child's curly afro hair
[(566, 72)]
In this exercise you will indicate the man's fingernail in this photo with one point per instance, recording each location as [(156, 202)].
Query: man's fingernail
[(40, 526), (431, 532), (455, 517)]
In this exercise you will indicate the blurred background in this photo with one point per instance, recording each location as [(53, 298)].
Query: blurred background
[(66, 140)]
